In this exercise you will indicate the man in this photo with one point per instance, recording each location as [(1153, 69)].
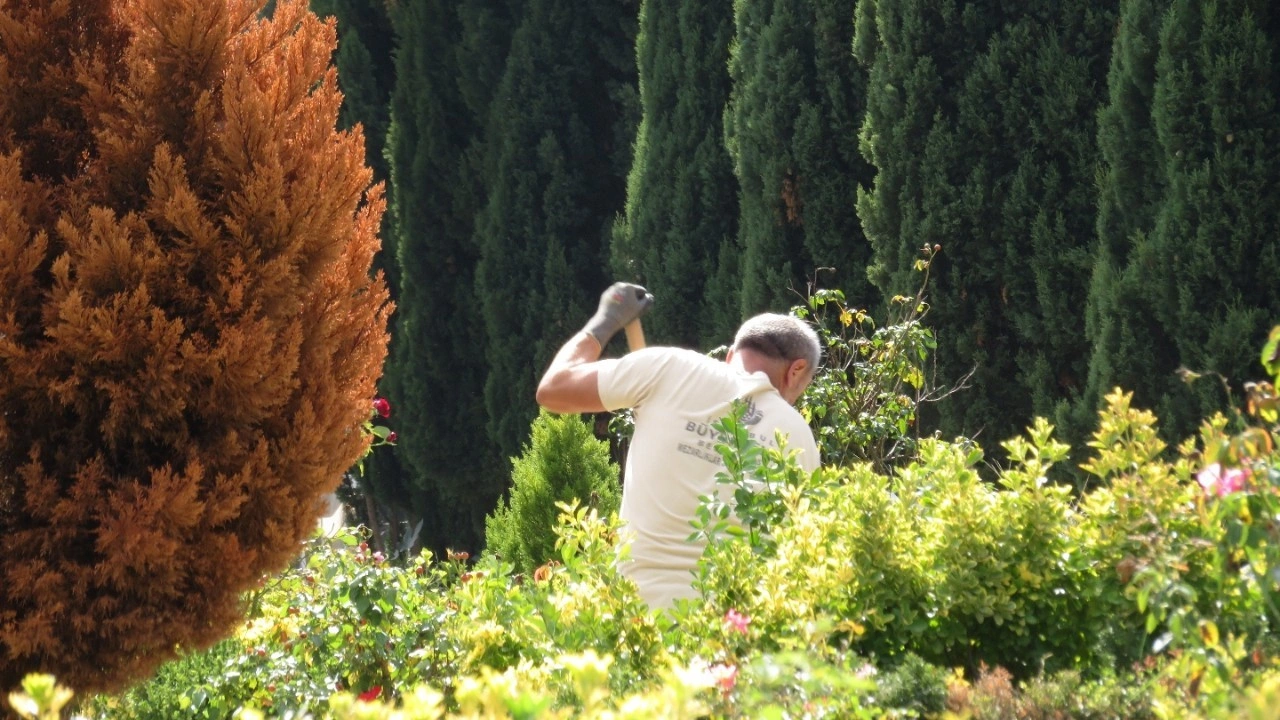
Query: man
[(677, 394)]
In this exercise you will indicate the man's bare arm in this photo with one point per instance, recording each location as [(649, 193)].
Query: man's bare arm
[(569, 385)]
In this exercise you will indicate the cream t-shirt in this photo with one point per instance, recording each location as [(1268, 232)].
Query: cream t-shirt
[(676, 395)]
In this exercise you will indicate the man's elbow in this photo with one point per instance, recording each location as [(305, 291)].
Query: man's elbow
[(550, 395), (545, 396), (567, 392)]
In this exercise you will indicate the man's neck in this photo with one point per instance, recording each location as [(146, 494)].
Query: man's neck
[(751, 362)]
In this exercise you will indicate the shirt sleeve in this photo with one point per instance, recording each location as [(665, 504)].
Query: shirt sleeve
[(633, 379)]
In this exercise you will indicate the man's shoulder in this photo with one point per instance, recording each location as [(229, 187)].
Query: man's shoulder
[(671, 355), (657, 371)]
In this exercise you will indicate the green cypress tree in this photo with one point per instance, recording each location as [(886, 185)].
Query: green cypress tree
[(918, 57), (981, 125), (1185, 270), (677, 235), (1211, 256), (1131, 182), (552, 185), (791, 128), (914, 59), (1033, 97), (436, 372), (562, 462)]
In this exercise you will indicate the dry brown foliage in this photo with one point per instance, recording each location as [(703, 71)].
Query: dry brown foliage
[(189, 332)]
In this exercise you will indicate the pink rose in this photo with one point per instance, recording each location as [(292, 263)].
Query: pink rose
[(382, 406), (1217, 481), (1233, 480), (737, 621)]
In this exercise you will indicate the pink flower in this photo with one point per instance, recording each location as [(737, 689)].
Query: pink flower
[(737, 621), (726, 676), (382, 406), (392, 437), (1217, 481), (1233, 480)]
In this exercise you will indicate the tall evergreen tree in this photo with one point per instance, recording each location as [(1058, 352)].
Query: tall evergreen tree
[(1210, 261), (677, 235), (916, 54), (1131, 182), (1033, 98), (189, 330), (981, 125), (792, 129), (552, 186), (436, 372)]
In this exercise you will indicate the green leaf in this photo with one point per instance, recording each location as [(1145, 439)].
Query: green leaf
[(974, 457), (1271, 353)]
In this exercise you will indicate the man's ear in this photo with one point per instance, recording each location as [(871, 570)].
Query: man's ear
[(798, 370)]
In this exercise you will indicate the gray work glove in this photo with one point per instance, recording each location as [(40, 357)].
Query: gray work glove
[(619, 305)]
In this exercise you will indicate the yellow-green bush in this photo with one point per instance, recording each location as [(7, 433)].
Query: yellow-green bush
[(834, 586)]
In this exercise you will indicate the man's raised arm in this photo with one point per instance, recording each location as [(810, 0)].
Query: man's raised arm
[(570, 383)]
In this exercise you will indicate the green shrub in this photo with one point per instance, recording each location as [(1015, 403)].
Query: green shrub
[(798, 685), (862, 403), (914, 687), (563, 462), (994, 695), (1169, 562), (196, 685), (1066, 695), (931, 560)]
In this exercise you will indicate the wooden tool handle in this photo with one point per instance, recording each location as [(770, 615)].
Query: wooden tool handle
[(635, 335)]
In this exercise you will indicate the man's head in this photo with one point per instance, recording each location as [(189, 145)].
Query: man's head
[(783, 347)]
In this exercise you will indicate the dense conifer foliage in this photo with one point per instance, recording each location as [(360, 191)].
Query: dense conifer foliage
[(366, 70), (980, 123), (792, 128), (366, 76), (1188, 257), (1130, 184), (436, 370), (678, 233), (553, 166), (189, 332)]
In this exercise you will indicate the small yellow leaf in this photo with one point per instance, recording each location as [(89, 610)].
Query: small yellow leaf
[(851, 627), (846, 318), (1209, 633)]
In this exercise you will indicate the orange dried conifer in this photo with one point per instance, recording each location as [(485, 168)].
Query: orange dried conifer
[(189, 332)]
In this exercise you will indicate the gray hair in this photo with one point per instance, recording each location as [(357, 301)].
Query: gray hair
[(782, 337)]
